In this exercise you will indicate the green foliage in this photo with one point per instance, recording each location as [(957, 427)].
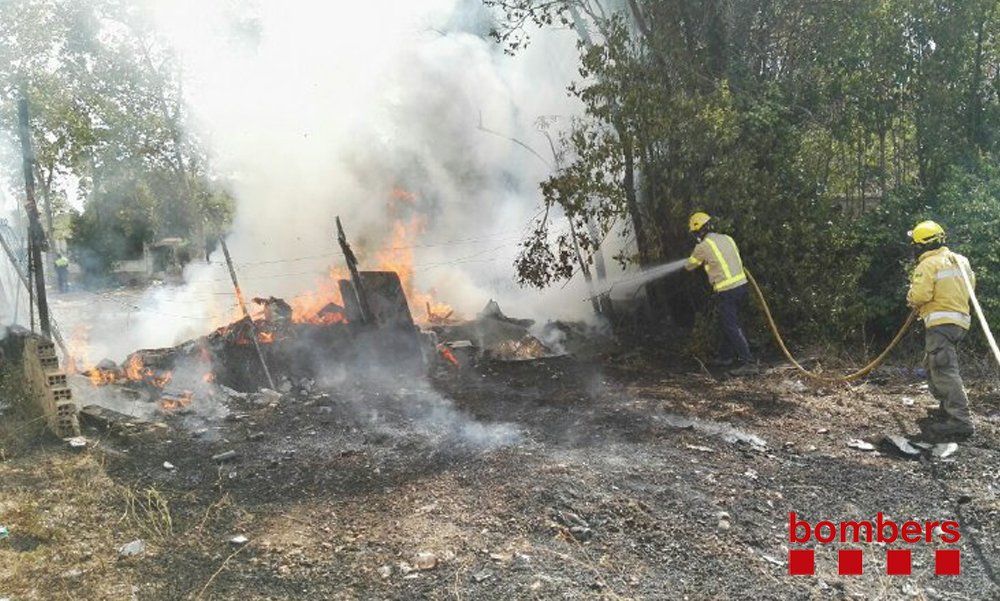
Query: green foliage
[(107, 115), (819, 132)]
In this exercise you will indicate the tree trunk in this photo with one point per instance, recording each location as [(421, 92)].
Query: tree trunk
[(641, 241)]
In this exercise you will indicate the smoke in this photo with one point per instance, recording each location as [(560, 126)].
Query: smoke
[(315, 109), (382, 404)]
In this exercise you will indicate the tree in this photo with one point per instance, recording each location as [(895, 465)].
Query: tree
[(798, 123), (110, 116)]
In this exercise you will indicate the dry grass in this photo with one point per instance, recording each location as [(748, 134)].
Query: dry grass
[(63, 513)]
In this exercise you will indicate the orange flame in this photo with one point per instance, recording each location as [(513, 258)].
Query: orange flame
[(176, 401), (448, 355)]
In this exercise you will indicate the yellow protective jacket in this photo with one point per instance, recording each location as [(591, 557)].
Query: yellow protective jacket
[(721, 258), (937, 290)]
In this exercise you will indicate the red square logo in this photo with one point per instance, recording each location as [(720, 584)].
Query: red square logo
[(947, 562), (898, 562), (801, 562), (849, 562)]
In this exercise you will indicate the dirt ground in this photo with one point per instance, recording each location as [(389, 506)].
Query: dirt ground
[(558, 478)]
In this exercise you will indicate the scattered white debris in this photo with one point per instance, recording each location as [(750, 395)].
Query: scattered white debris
[(860, 445), (902, 444), (385, 571), (944, 450), (703, 449), (77, 443), (425, 561), (133, 548), (224, 456), (822, 430), (169, 466), (908, 401), (239, 540), (268, 396)]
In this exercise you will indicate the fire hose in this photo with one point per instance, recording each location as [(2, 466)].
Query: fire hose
[(867, 369), (856, 375)]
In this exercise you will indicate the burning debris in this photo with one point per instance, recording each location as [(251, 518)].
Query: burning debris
[(492, 336)]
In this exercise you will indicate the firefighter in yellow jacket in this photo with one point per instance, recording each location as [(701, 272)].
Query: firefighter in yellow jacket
[(720, 257), (939, 294)]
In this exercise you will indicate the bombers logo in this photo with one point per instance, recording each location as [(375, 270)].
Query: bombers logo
[(850, 562)]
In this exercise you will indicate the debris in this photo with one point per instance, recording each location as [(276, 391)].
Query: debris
[(4, 533), (425, 561), (238, 540), (524, 349), (794, 386), (900, 444), (944, 450), (695, 447), (385, 571), (907, 401), (168, 466), (860, 445), (133, 548), (502, 557), (482, 575), (724, 520), (822, 430), (77, 443), (233, 394), (268, 396), (225, 456)]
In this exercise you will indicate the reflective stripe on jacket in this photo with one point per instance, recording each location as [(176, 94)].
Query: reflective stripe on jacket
[(721, 258), (937, 290)]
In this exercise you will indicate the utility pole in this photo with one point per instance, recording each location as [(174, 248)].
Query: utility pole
[(36, 236), (246, 313)]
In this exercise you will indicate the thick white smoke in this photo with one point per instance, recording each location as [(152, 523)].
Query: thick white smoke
[(314, 109)]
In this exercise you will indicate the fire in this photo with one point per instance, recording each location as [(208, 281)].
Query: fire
[(448, 355), (101, 377), (136, 371), (173, 402), (397, 256), (321, 306), (265, 337)]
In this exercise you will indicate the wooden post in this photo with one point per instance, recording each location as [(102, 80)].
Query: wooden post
[(352, 265), (37, 236), (56, 335), (246, 313)]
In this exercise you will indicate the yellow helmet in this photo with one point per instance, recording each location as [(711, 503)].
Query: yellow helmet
[(698, 221), (927, 232)]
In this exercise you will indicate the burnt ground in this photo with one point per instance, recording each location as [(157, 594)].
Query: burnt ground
[(556, 478)]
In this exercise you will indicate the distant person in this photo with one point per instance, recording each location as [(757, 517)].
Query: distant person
[(62, 272), (939, 294), (721, 260)]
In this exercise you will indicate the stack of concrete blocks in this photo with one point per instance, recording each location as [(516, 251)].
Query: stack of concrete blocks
[(49, 387)]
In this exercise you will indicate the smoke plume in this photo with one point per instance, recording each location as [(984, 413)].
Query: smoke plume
[(376, 111)]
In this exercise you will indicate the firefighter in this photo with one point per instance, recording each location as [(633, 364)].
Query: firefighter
[(939, 294), (62, 272), (724, 267)]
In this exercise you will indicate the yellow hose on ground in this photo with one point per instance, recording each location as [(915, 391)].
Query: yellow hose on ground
[(864, 371)]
